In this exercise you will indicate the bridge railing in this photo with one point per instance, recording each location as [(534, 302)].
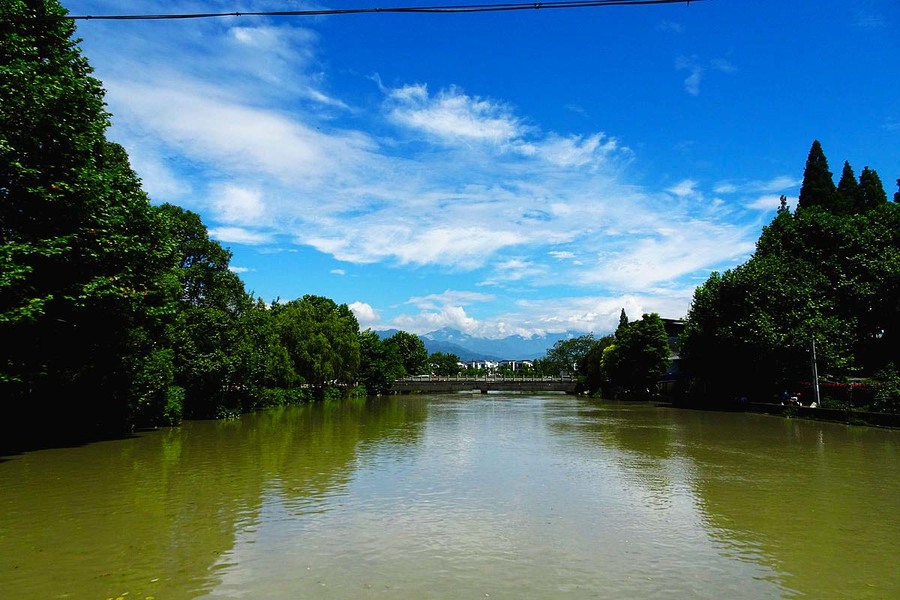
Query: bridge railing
[(500, 378)]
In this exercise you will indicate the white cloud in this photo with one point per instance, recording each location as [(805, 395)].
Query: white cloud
[(233, 204), (598, 314), (449, 297), (239, 235), (670, 254), (671, 27), (769, 202), (695, 74), (228, 134), (696, 70), (723, 65), (367, 316), (574, 151), (452, 116), (684, 188), (338, 272), (780, 183), (447, 316), (517, 269)]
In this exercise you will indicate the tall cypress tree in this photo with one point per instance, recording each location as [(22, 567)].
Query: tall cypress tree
[(623, 323), (847, 191), (871, 191), (817, 188)]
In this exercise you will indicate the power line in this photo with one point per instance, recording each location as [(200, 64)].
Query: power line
[(450, 9)]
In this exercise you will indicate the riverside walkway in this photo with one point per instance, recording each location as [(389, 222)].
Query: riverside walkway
[(440, 384)]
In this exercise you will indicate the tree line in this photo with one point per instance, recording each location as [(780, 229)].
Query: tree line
[(116, 313), (825, 277), (626, 364)]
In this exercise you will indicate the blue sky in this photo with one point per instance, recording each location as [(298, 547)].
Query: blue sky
[(498, 173)]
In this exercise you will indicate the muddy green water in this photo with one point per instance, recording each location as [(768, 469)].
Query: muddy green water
[(463, 497)]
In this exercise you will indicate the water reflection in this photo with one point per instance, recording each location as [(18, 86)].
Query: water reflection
[(459, 496), (159, 514), (813, 504)]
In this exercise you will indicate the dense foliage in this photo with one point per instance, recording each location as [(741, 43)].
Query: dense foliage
[(116, 313), (626, 364), (828, 274), (82, 267)]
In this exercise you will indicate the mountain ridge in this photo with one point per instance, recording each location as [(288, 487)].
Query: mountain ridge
[(472, 348)]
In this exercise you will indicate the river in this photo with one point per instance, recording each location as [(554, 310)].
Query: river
[(464, 496)]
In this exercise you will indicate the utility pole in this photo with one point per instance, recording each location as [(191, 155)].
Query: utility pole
[(815, 373)]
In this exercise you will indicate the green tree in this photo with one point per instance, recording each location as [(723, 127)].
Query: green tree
[(832, 277), (817, 188), (444, 363), (591, 365), (871, 191), (411, 350), (322, 339), (623, 321), (637, 358), (81, 295), (565, 355), (264, 366), (847, 191), (380, 363), (206, 333)]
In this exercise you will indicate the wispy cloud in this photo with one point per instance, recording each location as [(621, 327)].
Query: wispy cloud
[(239, 235), (670, 27), (698, 68), (868, 20), (684, 188), (770, 202), (417, 178), (452, 116), (449, 298)]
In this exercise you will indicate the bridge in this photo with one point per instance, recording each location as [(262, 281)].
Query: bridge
[(434, 384)]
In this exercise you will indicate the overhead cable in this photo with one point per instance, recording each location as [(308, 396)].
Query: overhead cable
[(448, 9)]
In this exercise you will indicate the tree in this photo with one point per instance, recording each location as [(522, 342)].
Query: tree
[(817, 274), (782, 204), (817, 188), (847, 191), (638, 357), (80, 266), (591, 365), (206, 332), (322, 339), (871, 191), (380, 363), (411, 351), (565, 355), (444, 363)]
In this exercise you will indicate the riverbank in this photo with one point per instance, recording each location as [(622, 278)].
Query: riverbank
[(849, 417)]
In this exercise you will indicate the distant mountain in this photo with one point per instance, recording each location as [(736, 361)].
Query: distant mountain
[(514, 347), (464, 354), (469, 348)]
